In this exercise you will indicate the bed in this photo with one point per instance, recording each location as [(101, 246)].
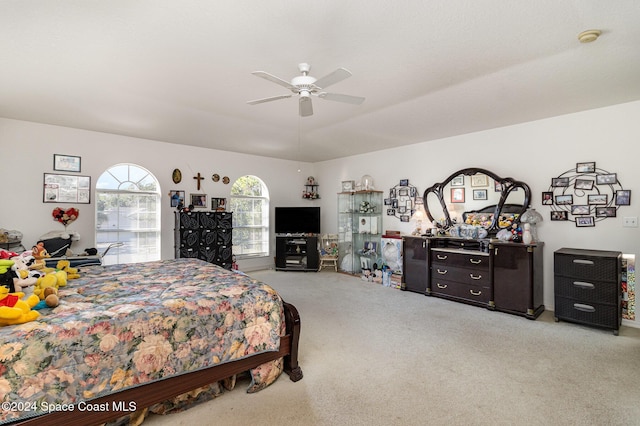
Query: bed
[(128, 337)]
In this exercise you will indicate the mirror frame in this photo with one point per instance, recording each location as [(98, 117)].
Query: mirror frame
[(507, 184)]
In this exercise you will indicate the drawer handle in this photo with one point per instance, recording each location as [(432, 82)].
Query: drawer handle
[(583, 284), (475, 261), (441, 256), (441, 272), (583, 308), (583, 261), (475, 277), (475, 293), (441, 285)]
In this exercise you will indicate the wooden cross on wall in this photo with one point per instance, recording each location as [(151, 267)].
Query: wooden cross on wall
[(199, 178)]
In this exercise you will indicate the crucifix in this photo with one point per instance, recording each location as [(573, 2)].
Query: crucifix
[(199, 178)]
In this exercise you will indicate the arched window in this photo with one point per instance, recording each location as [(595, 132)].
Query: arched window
[(128, 211), (249, 203)]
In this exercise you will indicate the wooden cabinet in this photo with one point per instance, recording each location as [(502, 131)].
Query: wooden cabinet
[(205, 235), (517, 278), (587, 287), (415, 268), (299, 253), (462, 275)]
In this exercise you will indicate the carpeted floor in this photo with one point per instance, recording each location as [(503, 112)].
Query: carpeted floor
[(373, 355)]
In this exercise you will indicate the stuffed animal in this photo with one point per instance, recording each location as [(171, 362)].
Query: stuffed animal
[(52, 280), (15, 310), (65, 265), (39, 252), (22, 279)]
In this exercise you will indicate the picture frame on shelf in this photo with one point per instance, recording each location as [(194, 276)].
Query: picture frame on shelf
[(348, 185), (457, 195), (218, 204), (623, 197), (479, 194), (586, 167), (606, 211), (458, 181), (198, 201), (176, 198), (585, 221), (559, 215), (607, 179), (66, 163)]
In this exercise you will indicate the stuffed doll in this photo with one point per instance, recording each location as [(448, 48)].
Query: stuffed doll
[(15, 310), (22, 278)]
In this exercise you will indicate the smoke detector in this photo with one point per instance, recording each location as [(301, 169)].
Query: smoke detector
[(589, 36)]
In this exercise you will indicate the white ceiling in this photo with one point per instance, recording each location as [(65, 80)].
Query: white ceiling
[(180, 71)]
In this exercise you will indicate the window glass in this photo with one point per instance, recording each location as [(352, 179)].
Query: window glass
[(128, 211), (250, 206)]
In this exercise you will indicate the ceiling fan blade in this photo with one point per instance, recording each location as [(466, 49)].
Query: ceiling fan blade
[(272, 98), (356, 100), (274, 79), (306, 109), (333, 78)]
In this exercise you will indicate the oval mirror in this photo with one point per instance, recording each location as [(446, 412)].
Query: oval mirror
[(476, 197)]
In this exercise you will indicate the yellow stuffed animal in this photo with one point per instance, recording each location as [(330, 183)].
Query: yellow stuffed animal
[(51, 280), (65, 265), (14, 310)]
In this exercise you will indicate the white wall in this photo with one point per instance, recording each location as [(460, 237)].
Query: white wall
[(532, 152), (27, 152)]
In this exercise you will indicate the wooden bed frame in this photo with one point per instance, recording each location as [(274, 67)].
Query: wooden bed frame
[(162, 390)]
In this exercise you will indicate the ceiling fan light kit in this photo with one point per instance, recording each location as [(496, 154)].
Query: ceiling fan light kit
[(306, 86)]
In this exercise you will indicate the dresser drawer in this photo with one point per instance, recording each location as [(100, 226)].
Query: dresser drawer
[(588, 313), (587, 290), (466, 260), (468, 292), (478, 277), (576, 265)]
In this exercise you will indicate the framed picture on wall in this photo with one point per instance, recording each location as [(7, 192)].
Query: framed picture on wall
[(547, 198), (606, 212), (600, 199), (479, 180), (607, 179), (623, 197), (479, 194), (66, 163), (560, 182), (457, 195), (559, 215), (176, 197), (585, 221), (588, 167), (564, 199), (458, 181)]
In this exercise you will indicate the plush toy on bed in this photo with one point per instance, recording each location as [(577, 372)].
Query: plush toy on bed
[(23, 279), (15, 310), (65, 265), (39, 252)]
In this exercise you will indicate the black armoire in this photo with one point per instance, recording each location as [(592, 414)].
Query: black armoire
[(205, 235)]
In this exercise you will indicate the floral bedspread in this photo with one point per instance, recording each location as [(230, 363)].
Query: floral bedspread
[(122, 325)]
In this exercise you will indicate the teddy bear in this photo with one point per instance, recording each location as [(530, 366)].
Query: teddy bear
[(15, 310), (65, 265)]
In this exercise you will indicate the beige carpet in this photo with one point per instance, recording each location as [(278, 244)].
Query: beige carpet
[(373, 355)]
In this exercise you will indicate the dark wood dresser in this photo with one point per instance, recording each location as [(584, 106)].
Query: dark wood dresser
[(587, 287)]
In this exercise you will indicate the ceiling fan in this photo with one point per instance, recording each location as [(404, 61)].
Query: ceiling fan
[(306, 86)]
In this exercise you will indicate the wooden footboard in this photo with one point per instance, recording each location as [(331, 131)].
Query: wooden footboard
[(110, 407)]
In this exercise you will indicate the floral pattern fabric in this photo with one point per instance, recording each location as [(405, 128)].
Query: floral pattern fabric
[(119, 326)]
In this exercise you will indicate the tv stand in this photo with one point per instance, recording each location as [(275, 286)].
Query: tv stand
[(297, 252)]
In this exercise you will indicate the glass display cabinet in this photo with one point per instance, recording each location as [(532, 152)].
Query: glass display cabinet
[(360, 230)]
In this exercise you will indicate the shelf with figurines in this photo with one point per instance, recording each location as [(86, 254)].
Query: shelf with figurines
[(310, 191)]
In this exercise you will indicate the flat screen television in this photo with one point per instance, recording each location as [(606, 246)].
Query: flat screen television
[(297, 220)]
